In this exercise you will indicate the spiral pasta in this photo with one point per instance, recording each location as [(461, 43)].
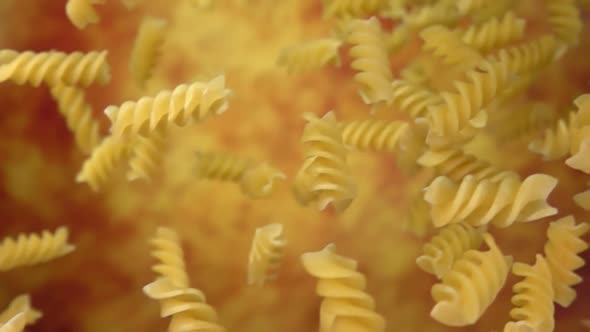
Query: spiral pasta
[(81, 13), (352, 8), (564, 18), (445, 44), (469, 6), (531, 56), (445, 248), (33, 249), (54, 68), (265, 254), (370, 59), (375, 135), (167, 249), (471, 286), (15, 324), (20, 304), (533, 298), (426, 15), (500, 203), (412, 98), (102, 163), (71, 103), (145, 156), (310, 55), (146, 49), (343, 292), (562, 250), (494, 33), (179, 106)]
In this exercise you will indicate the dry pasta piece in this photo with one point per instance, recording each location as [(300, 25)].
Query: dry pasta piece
[(55, 68), (342, 288), (371, 60), (445, 248), (565, 20), (167, 249), (27, 250), (71, 103), (256, 179), (479, 202), (533, 298), (352, 8), (7, 56), (445, 44), (16, 324), (81, 12), (20, 304), (146, 156), (466, 7), (310, 55), (98, 169), (562, 250), (531, 56), (412, 98), (265, 254), (146, 49), (373, 135), (180, 106), (471, 286), (494, 33)]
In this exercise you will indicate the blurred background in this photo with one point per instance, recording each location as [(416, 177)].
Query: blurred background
[(98, 287)]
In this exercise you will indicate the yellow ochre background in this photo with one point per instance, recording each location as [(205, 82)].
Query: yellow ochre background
[(98, 287)]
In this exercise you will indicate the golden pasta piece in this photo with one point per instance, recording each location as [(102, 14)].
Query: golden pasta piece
[(533, 298), (565, 20), (7, 56), (32, 249), (471, 286), (346, 306), (352, 8), (265, 254), (445, 248), (370, 59), (373, 135), (448, 46), (15, 324), (426, 15), (146, 49), (494, 33), (180, 106), (530, 56), (412, 98), (167, 249), (469, 6), (57, 68), (20, 304), (310, 55), (102, 163), (562, 250), (500, 203), (146, 156), (71, 103), (81, 12)]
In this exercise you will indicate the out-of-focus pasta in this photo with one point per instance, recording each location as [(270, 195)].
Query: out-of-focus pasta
[(310, 55), (98, 169), (146, 49), (146, 156), (265, 254), (15, 324), (81, 12), (20, 304), (375, 135)]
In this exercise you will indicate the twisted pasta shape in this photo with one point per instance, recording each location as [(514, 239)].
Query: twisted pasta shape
[(179, 106), (427, 15), (564, 18), (343, 290), (375, 135), (494, 33), (412, 98), (81, 13), (562, 250), (471, 286), (530, 56), (444, 43), (328, 175), (33, 249), (146, 49), (445, 248), (55, 68), (533, 298), (20, 304), (370, 59), (265, 254), (352, 8), (167, 249), (7, 56), (501, 203), (71, 103), (16, 324), (102, 163), (146, 155), (469, 6), (310, 55)]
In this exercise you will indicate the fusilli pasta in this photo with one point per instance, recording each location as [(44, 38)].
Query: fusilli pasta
[(352, 8), (448, 45), (100, 166), (20, 304), (412, 98), (146, 49), (167, 249), (310, 55), (375, 135), (146, 155), (265, 254), (494, 33), (81, 13), (15, 324), (565, 20)]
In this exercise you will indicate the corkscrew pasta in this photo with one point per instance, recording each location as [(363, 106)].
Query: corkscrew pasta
[(167, 249), (310, 55), (494, 33), (146, 156), (20, 304), (448, 46), (352, 8), (15, 324), (376, 135), (146, 49), (98, 169), (81, 12), (565, 21), (412, 98), (265, 254)]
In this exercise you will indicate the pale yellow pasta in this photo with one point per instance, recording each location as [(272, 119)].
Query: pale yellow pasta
[(447, 45), (412, 98), (15, 324), (352, 8), (55, 68), (180, 107), (531, 56), (167, 249), (373, 135), (20, 304), (533, 298), (479, 202), (265, 254), (146, 49), (31, 249), (563, 249), (445, 248), (469, 6), (423, 16), (99, 168), (146, 156), (564, 18), (494, 33), (81, 12), (310, 55), (342, 288), (471, 286), (71, 103)]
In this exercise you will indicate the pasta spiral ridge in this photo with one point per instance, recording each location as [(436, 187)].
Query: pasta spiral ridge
[(376, 135), (495, 32), (352, 8), (413, 99), (343, 290), (565, 20), (33, 249), (102, 163), (562, 251), (20, 304), (265, 254), (71, 103), (146, 49), (500, 203), (167, 249), (310, 55), (57, 68), (448, 46), (146, 155), (533, 298), (81, 13), (530, 56), (471, 286), (445, 248), (179, 106), (427, 15), (370, 59), (16, 324)]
